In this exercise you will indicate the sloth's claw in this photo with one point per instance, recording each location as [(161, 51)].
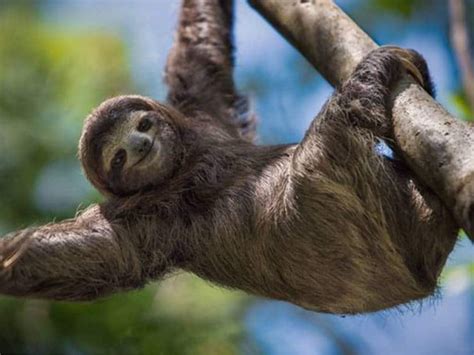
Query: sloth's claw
[(407, 59), (11, 250)]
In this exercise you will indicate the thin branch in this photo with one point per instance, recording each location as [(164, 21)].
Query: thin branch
[(460, 43), (438, 148)]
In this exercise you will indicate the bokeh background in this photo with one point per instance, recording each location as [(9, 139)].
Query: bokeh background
[(60, 58)]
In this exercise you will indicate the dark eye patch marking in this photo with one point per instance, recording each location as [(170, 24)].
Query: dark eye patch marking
[(144, 125), (119, 159)]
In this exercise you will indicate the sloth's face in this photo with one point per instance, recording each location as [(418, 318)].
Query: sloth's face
[(138, 152), (131, 143)]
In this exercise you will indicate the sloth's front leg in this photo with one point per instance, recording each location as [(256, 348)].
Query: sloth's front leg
[(199, 71), (200, 64)]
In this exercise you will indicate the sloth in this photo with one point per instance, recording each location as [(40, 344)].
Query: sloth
[(328, 224)]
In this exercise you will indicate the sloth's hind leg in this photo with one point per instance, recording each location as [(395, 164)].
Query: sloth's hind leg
[(366, 96)]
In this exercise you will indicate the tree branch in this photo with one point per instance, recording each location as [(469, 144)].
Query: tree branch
[(438, 148), (460, 43)]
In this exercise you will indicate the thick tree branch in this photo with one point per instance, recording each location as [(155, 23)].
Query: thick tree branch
[(460, 43), (437, 147)]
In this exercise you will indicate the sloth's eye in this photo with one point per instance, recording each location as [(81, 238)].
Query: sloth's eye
[(144, 125), (119, 159)]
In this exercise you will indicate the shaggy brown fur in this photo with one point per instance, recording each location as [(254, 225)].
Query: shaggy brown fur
[(327, 224)]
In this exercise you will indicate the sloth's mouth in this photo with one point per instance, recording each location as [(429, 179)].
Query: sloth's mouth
[(147, 153)]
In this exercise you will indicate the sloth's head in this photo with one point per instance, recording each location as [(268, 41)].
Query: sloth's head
[(130, 143)]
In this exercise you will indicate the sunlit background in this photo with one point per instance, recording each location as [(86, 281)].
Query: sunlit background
[(60, 58)]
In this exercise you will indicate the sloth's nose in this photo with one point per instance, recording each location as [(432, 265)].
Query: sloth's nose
[(139, 143)]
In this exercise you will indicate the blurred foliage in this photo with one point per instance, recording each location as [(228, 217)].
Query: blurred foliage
[(401, 7), (181, 316), (460, 102), (49, 80)]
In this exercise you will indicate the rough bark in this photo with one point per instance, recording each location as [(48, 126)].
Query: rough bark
[(438, 147)]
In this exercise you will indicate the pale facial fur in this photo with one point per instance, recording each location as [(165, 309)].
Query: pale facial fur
[(128, 137)]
